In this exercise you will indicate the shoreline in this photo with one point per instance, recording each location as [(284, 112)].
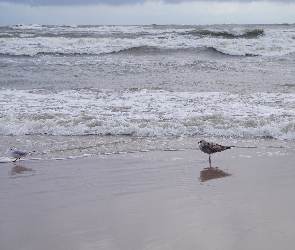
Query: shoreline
[(47, 147), (150, 200)]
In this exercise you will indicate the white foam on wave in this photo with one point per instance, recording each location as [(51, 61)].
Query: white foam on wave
[(5, 160), (146, 113), (27, 26), (272, 43)]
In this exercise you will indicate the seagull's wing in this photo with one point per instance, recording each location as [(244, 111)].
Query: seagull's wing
[(19, 152)]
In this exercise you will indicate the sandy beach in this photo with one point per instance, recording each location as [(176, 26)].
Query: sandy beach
[(151, 200)]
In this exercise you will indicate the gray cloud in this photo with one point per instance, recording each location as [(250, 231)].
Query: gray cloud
[(121, 2), (126, 12)]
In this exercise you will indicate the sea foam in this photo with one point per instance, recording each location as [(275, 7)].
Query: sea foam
[(147, 113)]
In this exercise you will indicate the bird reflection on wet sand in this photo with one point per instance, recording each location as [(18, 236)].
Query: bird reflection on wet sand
[(18, 169), (212, 173)]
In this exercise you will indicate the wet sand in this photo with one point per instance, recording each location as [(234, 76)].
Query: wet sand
[(151, 200)]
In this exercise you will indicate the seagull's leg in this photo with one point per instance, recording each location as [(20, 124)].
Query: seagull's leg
[(15, 160), (210, 160)]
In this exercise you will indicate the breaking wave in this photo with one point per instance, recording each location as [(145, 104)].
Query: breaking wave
[(34, 40), (147, 113)]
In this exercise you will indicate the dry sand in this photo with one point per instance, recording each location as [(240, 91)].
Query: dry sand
[(151, 200)]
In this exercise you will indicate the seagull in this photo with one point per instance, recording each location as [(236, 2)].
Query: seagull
[(17, 154), (210, 148)]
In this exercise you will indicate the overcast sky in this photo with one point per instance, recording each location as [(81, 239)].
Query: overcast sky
[(123, 12)]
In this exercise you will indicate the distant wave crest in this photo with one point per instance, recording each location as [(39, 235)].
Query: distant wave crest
[(227, 34)]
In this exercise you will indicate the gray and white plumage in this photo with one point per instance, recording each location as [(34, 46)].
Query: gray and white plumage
[(211, 148), (17, 154)]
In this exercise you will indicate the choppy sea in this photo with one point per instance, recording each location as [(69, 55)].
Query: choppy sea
[(71, 91)]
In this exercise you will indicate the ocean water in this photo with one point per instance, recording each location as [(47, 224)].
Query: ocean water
[(71, 91)]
